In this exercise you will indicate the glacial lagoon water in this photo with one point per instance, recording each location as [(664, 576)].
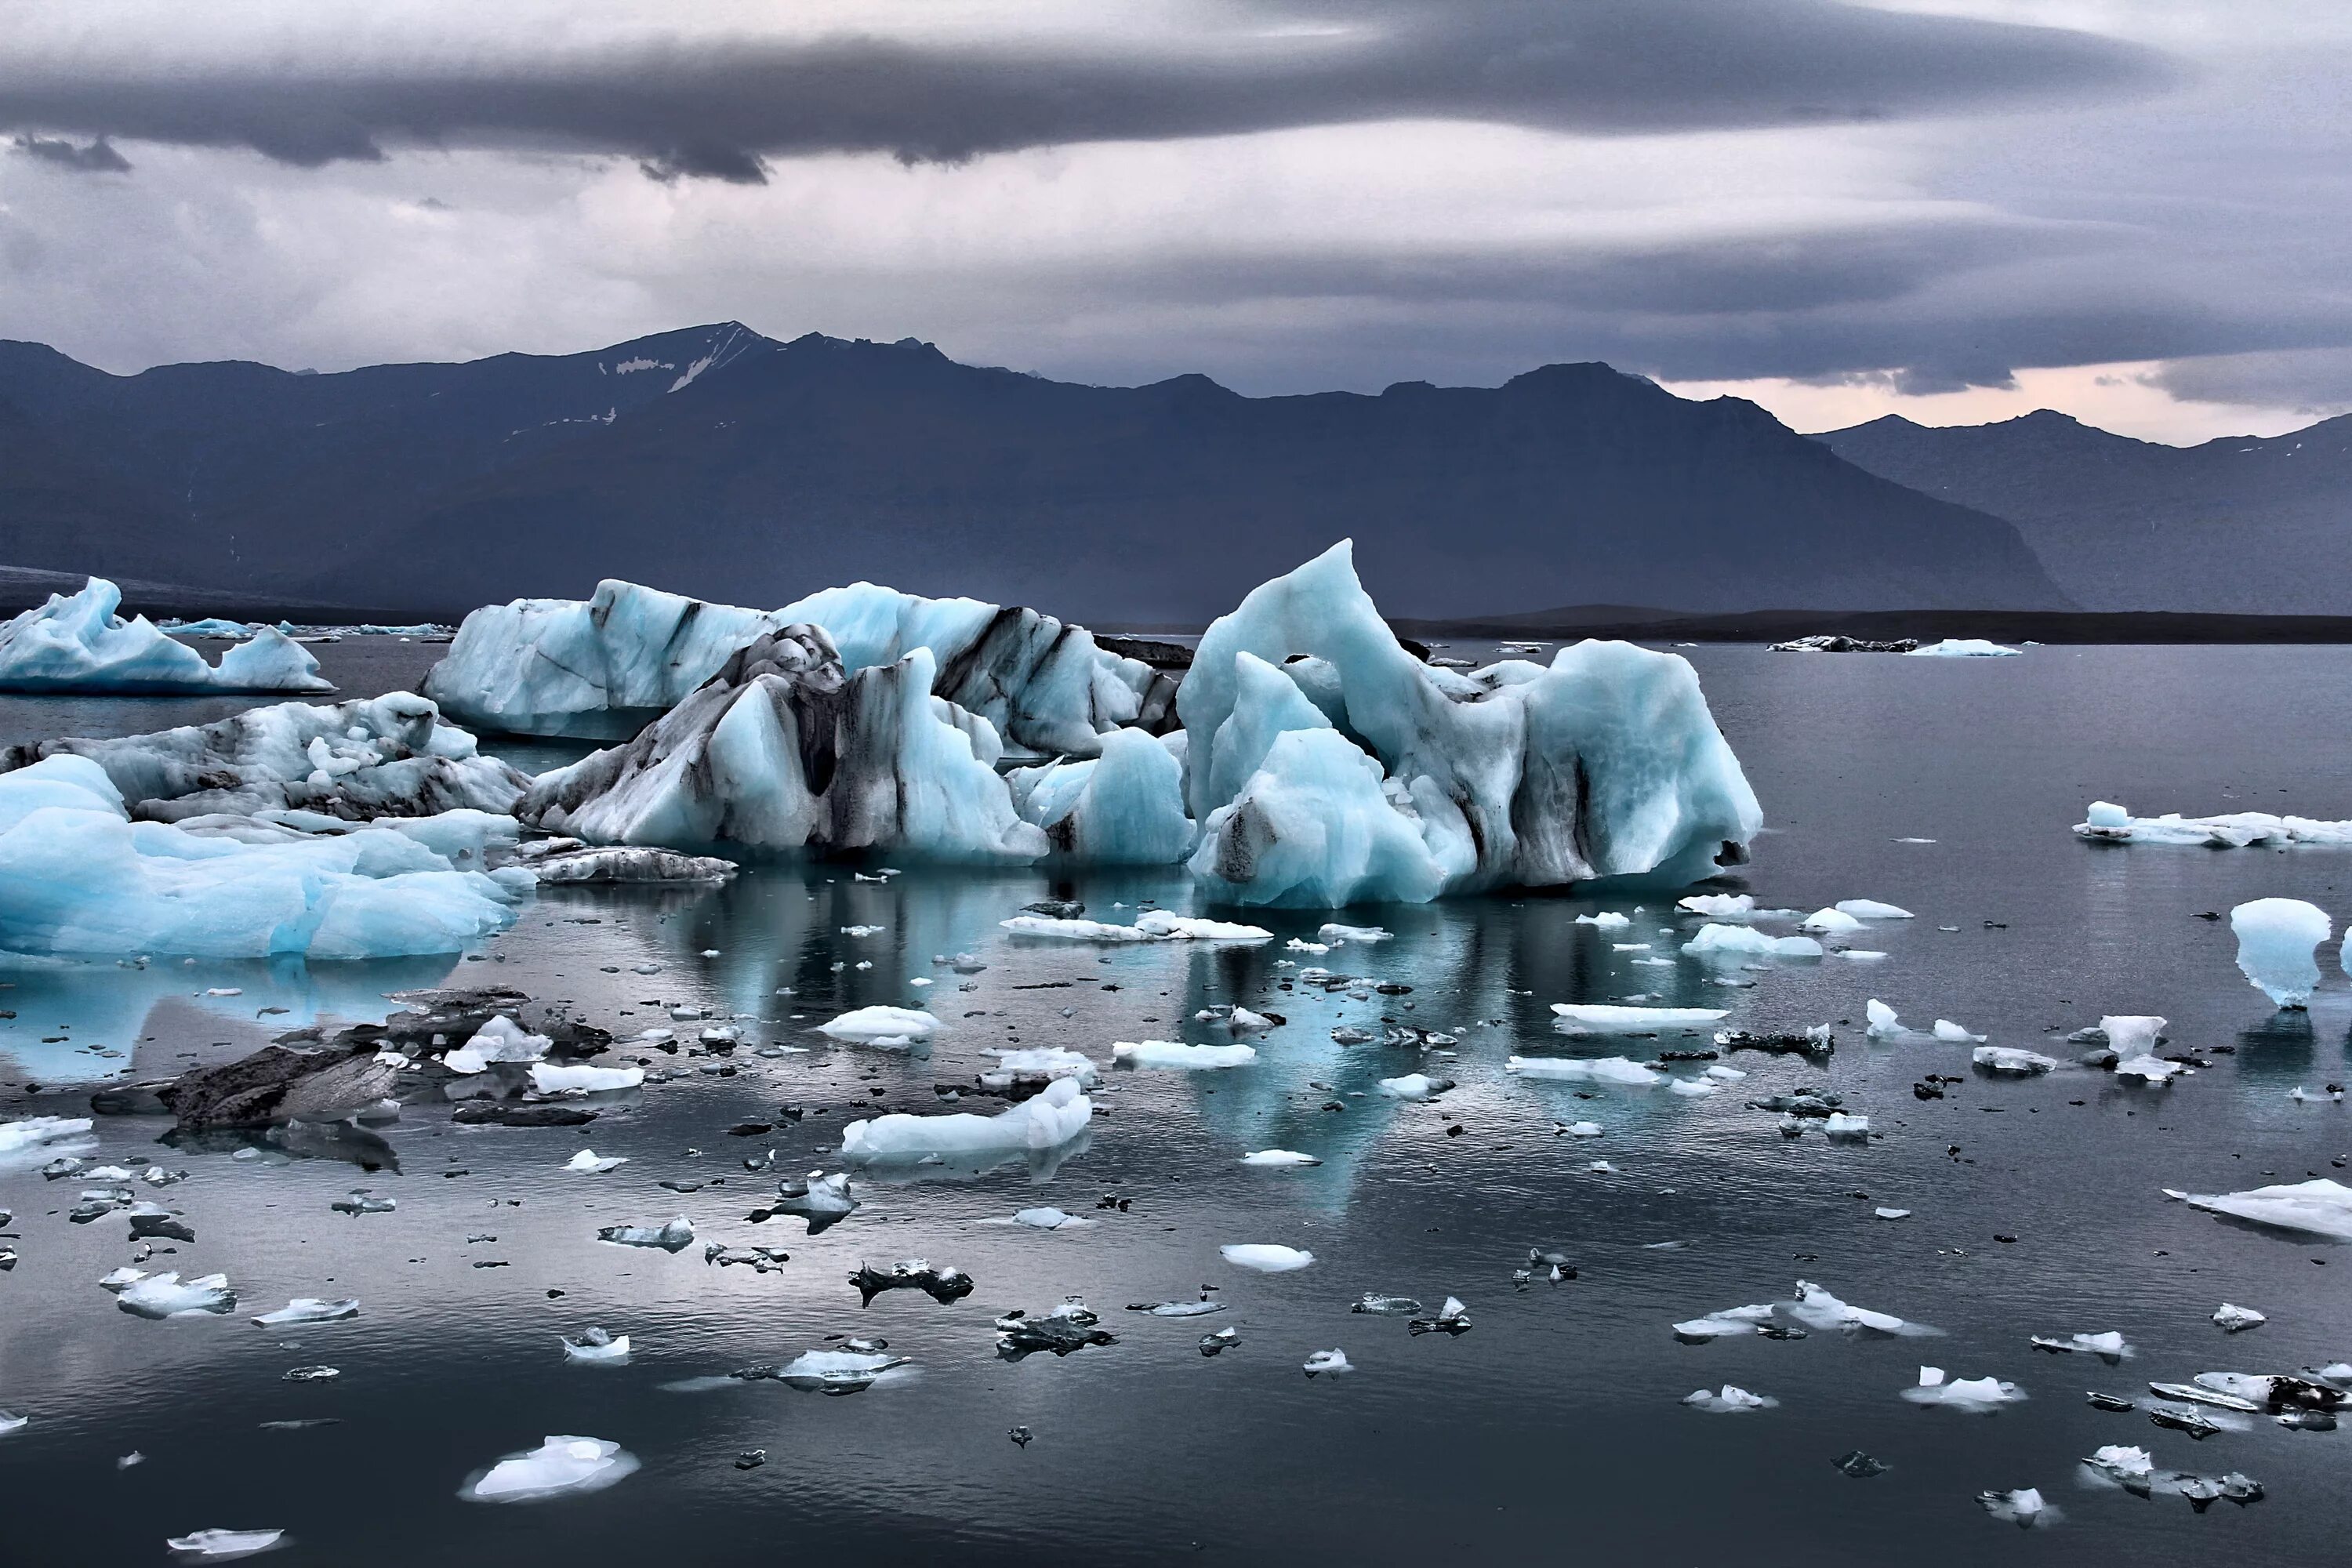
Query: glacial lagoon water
[(1553, 1425)]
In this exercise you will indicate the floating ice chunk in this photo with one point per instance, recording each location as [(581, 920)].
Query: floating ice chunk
[(223, 1545), (2011, 1060), (1732, 1401), (1192, 928), (2316, 1207), (2025, 1508), (2106, 822), (1728, 1323), (1242, 1020), (1872, 909), (1603, 1069), (2132, 1035), (1690, 1087), (12, 1422), (1453, 1318), (311, 1309), (2152, 1070), (1171, 1054), (556, 1078), (1052, 1118), (1331, 1362), (2235, 1318), (29, 1133), (1724, 942), (357, 1202), (1582, 1129), (76, 643), (1414, 1086), (1317, 948), (1961, 647), (596, 1348), (163, 1296), (1954, 1034), (1884, 1023), (2121, 1463), (1606, 919), (1278, 1160), (1048, 1219), (1266, 1257), (868, 1025), (500, 1040), (1719, 906), (77, 876), (1200, 1309), (1036, 1066), (1068, 929), (1340, 934), (835, 1371), (557, 1466), (2111, 1345), (1839, 1125), (1972, 1396), (1892, 1213), (589, 1162), (2276, 941), (1829, 922), (1816, 1307), (1601, 1018), (1124, 808), (674, 1237)]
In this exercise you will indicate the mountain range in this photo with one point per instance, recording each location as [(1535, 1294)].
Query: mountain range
[(716, 461), (2246, 523)]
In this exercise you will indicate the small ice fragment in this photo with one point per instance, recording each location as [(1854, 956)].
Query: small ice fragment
[(311, 1309), (2237, 1319), (1266, 1257), (1948, 1030), (1414, 1086), (221, 1545), (596, 1347), (558, 1466), (1047, 1219), (674, 1237), (500, 1040), (1733, 1401), (1278, 1160), (1892, 1213), (867, 1025), (1582, 1129), (836, 1371), (1385, 1306), (1883, 1024), (1336, 934), (589, 1162), (359, 1201), (2023, 1507), (2276, 941), (1606, 919), (1730, 942), (2011, 1060), (1718, 906), (1828, 923), (1334, 1362), (1970, 1395), (1840, 1125), (1453, 1318), (1602, 1069)]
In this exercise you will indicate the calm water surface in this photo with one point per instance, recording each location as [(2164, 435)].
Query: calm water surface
[(1554, 1425)]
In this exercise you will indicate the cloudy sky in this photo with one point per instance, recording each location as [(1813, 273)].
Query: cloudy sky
[(2134, 210)]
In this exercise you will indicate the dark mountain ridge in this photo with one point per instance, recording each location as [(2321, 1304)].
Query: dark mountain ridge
[(719, 462)]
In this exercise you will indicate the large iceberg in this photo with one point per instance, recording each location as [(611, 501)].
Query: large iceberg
[(1604, 763), (1124, 808), (381, 756), (77, 876), (78, 643), (2276, 938), (604, 668), (784, 750)]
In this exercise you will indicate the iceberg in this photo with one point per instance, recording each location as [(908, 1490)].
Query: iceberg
[(1726, 941), (78, 643), (1973, 1396), (357, 760), (558, 1466), (160, 1296), (1604, 763), (2108, 822), (2316, 1207), (604, 668), (1605, 1070), (1961, 647), (1123, 807), (2235, 1320), (2276, 938), (78, 877), (782, 750), (1265, 1256), (1171, 1054), (1054, 1117), (1599, 1018)]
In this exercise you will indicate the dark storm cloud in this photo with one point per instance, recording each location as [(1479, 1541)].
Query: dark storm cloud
[(98, 158), (716, 109)]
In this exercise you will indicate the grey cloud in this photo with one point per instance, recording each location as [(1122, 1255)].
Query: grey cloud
[(716, 110), (98, 158), (2316, 381)]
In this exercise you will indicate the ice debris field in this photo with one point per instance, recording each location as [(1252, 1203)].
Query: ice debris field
[(915, 1003)]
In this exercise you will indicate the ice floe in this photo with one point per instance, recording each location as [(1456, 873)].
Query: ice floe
[(1601, 1018), (1816, 1307), (160, 1296), (311, 1309), (1052, 1118), (557, 1467), (2315, 1207), (1171, 1054), (1572, 1070), (1266, 1257), (1961, 647), (77, 642), (1278, 1160), (2109, 823), (882, 1024), (836, 1371), (2013, 1060), (218, 1545), (1732, 1400), (2276, 938), (1033, 1067), (677, 1235), (1736, 941), (1970, 1395)]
